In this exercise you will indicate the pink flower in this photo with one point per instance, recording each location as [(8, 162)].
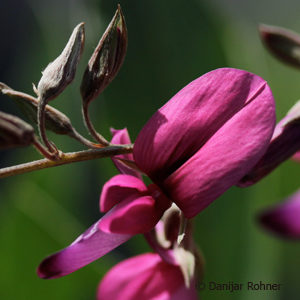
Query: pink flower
[(131, 208), (122, 137), (199, 144), (284, 219), (207, 137), (284, 144), (145, 276), (168, 274)]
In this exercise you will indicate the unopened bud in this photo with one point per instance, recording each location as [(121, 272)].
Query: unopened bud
[(283, 218), (14, 132), (59, 73), (55, 120), (284, 143), (106, 60), (282, 43)]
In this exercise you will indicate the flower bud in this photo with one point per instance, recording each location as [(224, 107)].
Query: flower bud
[(14, 132), (282, 43), (106, 60), (59, 73), (55, 120), (284, 143), (283, 219)]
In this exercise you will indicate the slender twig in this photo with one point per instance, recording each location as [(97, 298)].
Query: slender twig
[(65, 158), (78, 137), (97, 136), (41, 126), (51, 112), (43, 150)]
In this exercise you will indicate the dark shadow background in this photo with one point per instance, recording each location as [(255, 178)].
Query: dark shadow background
[(170, 44)]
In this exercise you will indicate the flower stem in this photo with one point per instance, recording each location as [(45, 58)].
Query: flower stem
[(41, 125), (78, 137), (44, 151), (65, 158), (98, 137)]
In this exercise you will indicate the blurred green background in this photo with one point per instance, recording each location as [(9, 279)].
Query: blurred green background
[(170, 44)]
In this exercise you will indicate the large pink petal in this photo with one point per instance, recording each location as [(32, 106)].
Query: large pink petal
[(119, 188), (228, 155), (121, 137), (132, 216), (144, 277), (284, 219), (136, 213), (185, 123), (91, 245)]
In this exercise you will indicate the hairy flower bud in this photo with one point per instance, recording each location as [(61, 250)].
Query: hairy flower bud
[(59, 73), (106, 60), (55, 120), (14, 132), (282, 43)]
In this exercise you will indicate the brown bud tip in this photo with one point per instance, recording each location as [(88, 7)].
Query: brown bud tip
[(282, 43), (59, 73), (106, 60), (14, 132)]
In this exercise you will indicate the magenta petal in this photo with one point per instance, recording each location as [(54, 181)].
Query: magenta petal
[(118, 189), (121, 137), (184, 293), (284, 219), (132, 216), (296, 157), (185, 123), (144, 277), (91, 245), (284, 143), (166, 254), (228, 155)]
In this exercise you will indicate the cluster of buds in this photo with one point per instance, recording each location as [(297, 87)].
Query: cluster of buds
[(102, 67), (217, 132)]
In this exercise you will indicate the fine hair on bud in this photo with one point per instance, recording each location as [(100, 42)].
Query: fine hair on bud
[(55, 120), (59, 73)]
